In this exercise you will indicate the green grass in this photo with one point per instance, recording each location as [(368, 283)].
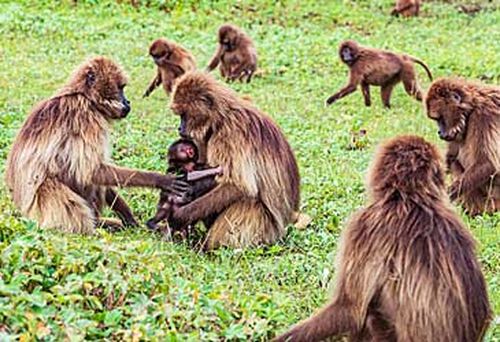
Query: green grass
[(132, 285)]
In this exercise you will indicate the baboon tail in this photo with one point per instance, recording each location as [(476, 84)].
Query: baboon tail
[(418, 61), (324, 324)]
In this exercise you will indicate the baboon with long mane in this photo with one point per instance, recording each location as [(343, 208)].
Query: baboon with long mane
[(59, 170), (406, 266), (468, 117), (258, 193)]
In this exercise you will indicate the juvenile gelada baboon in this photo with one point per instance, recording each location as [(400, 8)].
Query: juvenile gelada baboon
[(406, 8), (59, 169), (468, 117), (373, 67), (235, 53), (406, 266), (172, 61), (258, 193)]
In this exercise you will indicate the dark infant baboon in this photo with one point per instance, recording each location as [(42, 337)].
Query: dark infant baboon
[(406, 265), (235, 53), (59, 170), (183, 159), (468, 117), (373, 67)]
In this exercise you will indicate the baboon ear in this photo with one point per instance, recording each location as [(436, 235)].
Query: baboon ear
[(90, 78), (456, 96)]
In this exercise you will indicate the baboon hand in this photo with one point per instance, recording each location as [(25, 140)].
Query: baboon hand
[(331, 100), (176, 186)]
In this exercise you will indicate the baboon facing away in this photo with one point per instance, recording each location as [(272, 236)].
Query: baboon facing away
[(235, 53), (406, 266), (373, 67), (59, 169), (468, 117), (258, 193), (172, 61), (407, 8)]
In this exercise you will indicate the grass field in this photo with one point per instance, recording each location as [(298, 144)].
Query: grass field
[(132, 285)]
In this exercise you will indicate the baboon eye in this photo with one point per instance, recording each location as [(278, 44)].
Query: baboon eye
[(456, 97)]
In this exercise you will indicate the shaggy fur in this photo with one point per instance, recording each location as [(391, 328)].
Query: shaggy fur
[(407, 8), (59, 170), (468, 116), (258, 193), (172, 61), (235, 53), (406, 266), (368, 66)]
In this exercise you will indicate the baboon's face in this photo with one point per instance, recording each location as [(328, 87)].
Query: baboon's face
[(105, 82), (195, 118), (348, 52), (228, 38), (347, 55), (447, 108), (183, 151), (160, 51)]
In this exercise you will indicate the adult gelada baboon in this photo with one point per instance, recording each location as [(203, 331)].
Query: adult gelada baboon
[(406, 266), (59, 170), (468, 117), (258, 193)]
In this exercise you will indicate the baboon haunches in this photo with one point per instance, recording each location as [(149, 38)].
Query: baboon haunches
[(59, 170), (406, 266), (258, 193)]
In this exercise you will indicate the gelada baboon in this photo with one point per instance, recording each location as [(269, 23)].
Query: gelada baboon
[(406, 8), (258, 193), (59, 170), (235, 53), (406, 266), (468, 117), (373, 67), (183, 160), (172, 61)]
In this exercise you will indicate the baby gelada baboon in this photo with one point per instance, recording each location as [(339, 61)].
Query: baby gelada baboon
[(183, 159)]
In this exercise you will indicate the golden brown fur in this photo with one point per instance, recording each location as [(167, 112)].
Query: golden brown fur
[(59, 170), (406, 266), (235, 53), (258, 193), (468, 116), (373, 67), (172, 61), (407, 8)]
